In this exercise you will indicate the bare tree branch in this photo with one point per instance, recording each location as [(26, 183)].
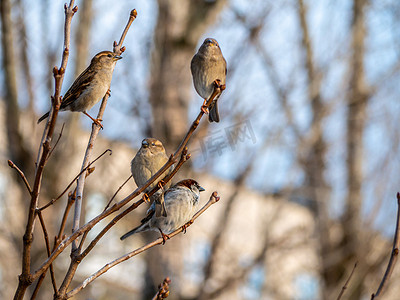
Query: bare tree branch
[(346, 283), (22, 175), (214, 198), (72, 182), (47, 243), (393, 256), (116, 192), (56, 143), (26, 279)]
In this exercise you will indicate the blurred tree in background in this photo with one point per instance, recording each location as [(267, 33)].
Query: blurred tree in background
[(305, 158)]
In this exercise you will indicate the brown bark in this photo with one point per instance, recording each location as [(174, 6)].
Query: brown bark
[(357, 100), (356, 117), (17, 151), (24, 54), (319, 192)]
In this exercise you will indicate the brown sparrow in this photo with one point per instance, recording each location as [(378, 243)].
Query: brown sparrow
[(181, 200), (208, 68), (90, 86), (147, 161)]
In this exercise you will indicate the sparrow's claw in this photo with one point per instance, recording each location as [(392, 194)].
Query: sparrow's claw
[(204, 107), (161, 184), (108, 92), (146, 198), (97, 121), (187, 225), (217, 83), (164, 236)]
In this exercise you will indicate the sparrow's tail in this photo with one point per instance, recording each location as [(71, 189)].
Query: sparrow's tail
[(213, 115), (43, 117), (143, 227)]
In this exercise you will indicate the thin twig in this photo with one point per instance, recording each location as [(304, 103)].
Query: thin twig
[(118, 49), (184, 157), (73, 180), (21, 174), (214, 198), (37, 287), (82, 241), (393, 256), (71, 200), (116, 192), (46, 238), (346, 283), (56, 143), (41, 278), (217, 90)]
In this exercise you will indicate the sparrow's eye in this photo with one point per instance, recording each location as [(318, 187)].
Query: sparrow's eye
[(109, 55)]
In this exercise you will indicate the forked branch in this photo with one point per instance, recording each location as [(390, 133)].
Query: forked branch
[(214, 198)]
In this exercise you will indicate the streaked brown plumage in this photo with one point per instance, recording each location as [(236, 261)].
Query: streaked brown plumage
[(181, 200), (90, 86), (147, 161), (207, 66)]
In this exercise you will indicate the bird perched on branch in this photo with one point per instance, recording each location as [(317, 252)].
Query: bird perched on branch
[(90, 86), (148, 160), (181, 200), (208, 68)]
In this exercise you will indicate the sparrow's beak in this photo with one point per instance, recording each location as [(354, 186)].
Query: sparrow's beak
[(201, 189), (117, 57)]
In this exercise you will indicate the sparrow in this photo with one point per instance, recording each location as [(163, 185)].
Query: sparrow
[(90, 86), (181, 200), (208, 67), (148, 160)]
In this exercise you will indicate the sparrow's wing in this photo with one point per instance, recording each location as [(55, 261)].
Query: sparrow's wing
[(77, 88), (150, 212), (140, 173), (192, 62), (196, 61)]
